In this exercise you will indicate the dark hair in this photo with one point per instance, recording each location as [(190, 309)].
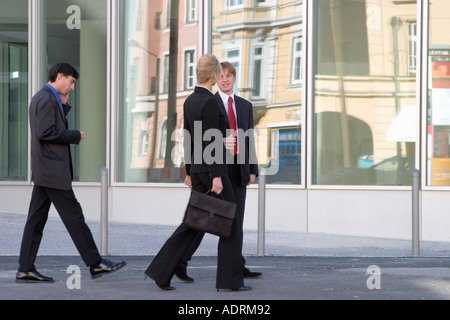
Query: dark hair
[(64, 68)]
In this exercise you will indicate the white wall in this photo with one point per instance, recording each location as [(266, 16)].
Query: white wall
[(436, 215), (368, 213), (373, 213)]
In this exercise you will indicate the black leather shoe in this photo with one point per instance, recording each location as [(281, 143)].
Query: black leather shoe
[(182, 275), (250, 274), (105, 266), (32, 276), (162, 287), (165, 288), (243, 288)]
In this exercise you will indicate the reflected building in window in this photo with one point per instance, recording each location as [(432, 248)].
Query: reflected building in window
[(364, 91), (265, 44), (357, 93), (161, 52)]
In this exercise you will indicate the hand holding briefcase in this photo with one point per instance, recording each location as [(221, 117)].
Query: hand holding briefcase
[(210, 214)]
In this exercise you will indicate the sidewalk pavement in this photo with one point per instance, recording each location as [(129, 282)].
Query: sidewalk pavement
[(295, 266)]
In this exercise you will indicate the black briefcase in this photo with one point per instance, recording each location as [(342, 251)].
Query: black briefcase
[(210, 214)]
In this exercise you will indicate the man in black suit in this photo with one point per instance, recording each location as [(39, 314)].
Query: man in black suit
[(52, 174), (242, 164)]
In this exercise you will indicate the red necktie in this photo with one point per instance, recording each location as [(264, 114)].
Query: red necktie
[(232, 121)]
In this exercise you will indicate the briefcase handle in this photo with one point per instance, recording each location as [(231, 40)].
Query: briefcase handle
[(210, 191)]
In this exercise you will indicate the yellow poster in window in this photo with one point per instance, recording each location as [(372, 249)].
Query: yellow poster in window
[(440, 172)]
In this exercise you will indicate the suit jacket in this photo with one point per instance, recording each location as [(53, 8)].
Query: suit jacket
[(51, 161), (244, 110), (201, 109)]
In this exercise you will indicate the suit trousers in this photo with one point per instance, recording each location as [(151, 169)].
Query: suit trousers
[(240, 194), (229, 251), (71, 215)]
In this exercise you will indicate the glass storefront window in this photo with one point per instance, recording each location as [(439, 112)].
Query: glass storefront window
[(76, 32), (268, 61), (438, 115), (364, 128), (13, 90), (159, 47), (159, 43)]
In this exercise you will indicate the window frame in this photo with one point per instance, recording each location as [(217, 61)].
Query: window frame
[(297, 61), (189, 69), (235, 4), (191, 12), (261, 58)]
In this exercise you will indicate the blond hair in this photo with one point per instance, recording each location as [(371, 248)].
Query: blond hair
[(208, 66)]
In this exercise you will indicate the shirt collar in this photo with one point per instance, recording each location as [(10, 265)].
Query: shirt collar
[(54, 92), (225, 97)]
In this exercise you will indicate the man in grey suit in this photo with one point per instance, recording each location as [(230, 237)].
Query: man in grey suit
[(52, 174)]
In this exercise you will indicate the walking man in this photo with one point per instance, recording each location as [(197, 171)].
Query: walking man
[(52, 174)]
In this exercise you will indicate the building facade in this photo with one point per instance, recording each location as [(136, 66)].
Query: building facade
[(349, 98)]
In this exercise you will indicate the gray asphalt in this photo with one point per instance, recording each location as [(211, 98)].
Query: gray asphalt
[(294, 266)]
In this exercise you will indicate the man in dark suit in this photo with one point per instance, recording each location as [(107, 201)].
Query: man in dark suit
[(242, 164), (52, 174), (202, 114)]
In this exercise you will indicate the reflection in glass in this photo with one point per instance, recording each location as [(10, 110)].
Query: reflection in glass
[(158, 49), (364, 87), (76, 32), (13, 90), (268, 62), (438, 122)]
